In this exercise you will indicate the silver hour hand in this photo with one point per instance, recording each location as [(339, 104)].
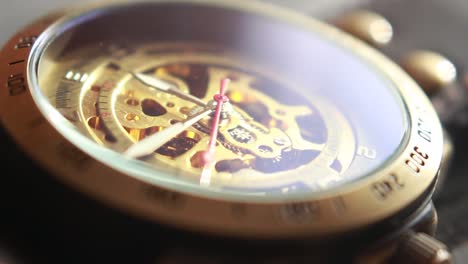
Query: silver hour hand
[(149, 144), (164, 86)]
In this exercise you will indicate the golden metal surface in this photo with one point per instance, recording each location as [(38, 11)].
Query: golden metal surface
[(359, 204), (368, 26), (431, 70)]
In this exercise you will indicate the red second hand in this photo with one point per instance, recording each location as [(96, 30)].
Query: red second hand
[(208, 156)]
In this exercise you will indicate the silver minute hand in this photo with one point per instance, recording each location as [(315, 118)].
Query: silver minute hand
[(164, 86), (149, 144)]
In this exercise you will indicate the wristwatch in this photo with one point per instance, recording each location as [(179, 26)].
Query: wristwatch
[(186, 131)]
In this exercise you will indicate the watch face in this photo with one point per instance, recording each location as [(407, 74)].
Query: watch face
[(238, 119), (136, 87)]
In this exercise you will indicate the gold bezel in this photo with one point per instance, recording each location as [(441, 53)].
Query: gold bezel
[(352, 206)]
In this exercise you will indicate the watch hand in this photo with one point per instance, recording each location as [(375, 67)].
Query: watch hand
[(149, 144), (164, 86), (208, 156)]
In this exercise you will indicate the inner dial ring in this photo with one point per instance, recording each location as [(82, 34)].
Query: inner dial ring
[(260, 139)]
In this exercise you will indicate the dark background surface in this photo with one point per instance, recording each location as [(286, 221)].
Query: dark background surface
[(441, 26)]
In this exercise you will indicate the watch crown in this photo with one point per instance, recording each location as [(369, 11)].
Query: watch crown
[(431, 70), (420, 248), (367, 26)]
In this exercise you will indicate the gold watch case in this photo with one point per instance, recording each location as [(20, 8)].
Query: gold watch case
[(352, 206)]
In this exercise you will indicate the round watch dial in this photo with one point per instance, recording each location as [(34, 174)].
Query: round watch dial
[(302, 114), (233, 118)]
